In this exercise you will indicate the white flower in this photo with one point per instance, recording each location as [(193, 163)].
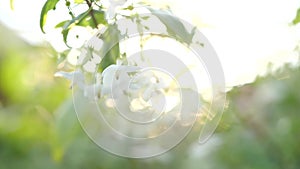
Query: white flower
[(76, 78), (116, 78), (111, 11), (135, 90), (91, 91), (94, 91)]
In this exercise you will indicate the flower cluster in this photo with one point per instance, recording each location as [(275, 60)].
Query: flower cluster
[(134, 89)]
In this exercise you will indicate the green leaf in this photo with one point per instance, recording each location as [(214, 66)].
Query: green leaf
[(65, 33), (76, 20), (49, 5), (61, 24), (174, 26), (100, 17), (88, 20), (297, 18), (84, 19), (110, 36), (68, 25)]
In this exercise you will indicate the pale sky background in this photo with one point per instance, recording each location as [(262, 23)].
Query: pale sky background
[(247, 34)]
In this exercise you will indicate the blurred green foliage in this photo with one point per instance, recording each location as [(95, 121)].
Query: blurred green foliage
[(39, 128), (264, 130)]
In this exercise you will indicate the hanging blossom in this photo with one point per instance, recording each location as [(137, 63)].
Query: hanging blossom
[(118, 80), (91, 91), (136, 90), (115, 76)]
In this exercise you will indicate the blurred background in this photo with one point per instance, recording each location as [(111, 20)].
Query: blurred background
[(259, 128)]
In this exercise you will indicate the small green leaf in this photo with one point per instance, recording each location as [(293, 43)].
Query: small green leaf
[(77, 20), (174, 26), (84, 19), (65, 33), (297, 18), (68, 25), (88, 20), (61, 24), (49, 5), (100, 17)]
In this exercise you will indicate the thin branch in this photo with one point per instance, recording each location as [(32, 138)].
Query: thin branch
[(70, 10), (89, 3)]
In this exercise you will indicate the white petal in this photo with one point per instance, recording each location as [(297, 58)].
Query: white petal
[(93, 92), (75, 77), (108, 75), (110, 13), (116, 76), (117, 2)]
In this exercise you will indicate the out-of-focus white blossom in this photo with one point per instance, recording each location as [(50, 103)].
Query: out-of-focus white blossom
[(132, 90)]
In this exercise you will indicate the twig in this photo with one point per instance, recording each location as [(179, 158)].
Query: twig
[(89, 3)]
